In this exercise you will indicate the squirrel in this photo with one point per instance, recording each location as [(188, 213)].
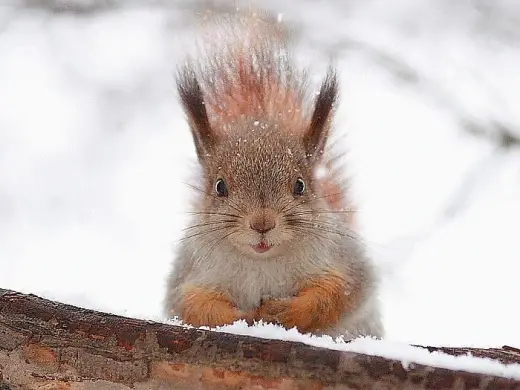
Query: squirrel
[(270, 238)]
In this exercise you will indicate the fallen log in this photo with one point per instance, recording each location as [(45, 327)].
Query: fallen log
[(50, 345)]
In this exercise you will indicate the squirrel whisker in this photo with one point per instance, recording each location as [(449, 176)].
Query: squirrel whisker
[(312, 226), (325, 211), (211, 213), (295, 204), (217, 242), (212, 223), (308, 232), (207, 231)]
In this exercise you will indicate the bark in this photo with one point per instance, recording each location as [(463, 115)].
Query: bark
[(49, 345)]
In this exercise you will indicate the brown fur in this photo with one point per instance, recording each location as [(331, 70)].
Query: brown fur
[(252, 95), (336, 188), (249, 76)]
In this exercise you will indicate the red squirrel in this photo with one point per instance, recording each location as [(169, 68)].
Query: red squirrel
[(271, 237)]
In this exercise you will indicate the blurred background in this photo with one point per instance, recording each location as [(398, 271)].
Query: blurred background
[(94, 149)]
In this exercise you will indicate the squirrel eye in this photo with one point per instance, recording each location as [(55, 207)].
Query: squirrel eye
[(299, 187), (220, 188)]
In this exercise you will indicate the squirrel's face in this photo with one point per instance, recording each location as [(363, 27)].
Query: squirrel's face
[(260, 192), (260, 195)]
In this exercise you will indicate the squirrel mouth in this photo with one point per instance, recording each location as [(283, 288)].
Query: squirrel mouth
[(261, 247)]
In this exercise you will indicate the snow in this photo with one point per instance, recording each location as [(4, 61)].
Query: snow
[(407, 354), (94, 150)]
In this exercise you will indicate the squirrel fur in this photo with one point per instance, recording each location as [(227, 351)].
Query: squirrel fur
[(271, 236)]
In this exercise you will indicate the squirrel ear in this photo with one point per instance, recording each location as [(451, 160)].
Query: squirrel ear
[(192, 99), (316, 135)]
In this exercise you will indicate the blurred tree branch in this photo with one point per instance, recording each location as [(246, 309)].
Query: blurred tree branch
[(78, 7)]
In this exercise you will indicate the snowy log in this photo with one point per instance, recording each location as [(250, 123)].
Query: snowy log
[(50, 345)]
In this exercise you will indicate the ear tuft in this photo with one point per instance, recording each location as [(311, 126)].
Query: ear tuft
[(192, 100), (316, 135)]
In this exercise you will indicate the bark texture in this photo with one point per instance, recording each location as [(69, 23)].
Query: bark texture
[(49, 345)]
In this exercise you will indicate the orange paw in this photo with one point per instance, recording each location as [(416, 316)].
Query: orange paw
[(319, 304), (287, 312), (206, 307), (274, 310)]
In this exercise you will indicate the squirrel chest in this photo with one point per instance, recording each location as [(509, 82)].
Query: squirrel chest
[(248, 281)]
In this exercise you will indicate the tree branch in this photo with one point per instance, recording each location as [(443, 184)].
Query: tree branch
[(45, 344)]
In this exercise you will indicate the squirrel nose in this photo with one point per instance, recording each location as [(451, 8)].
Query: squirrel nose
[(262, 223)]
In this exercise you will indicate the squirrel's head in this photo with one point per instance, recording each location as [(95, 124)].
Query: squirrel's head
[(261, 193)]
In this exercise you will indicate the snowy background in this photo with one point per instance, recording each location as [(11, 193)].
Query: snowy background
[(93, 151)]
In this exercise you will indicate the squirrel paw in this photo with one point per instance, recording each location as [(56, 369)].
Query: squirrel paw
[(285, 312), (317, 306), (205, 307), (248, 317)]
